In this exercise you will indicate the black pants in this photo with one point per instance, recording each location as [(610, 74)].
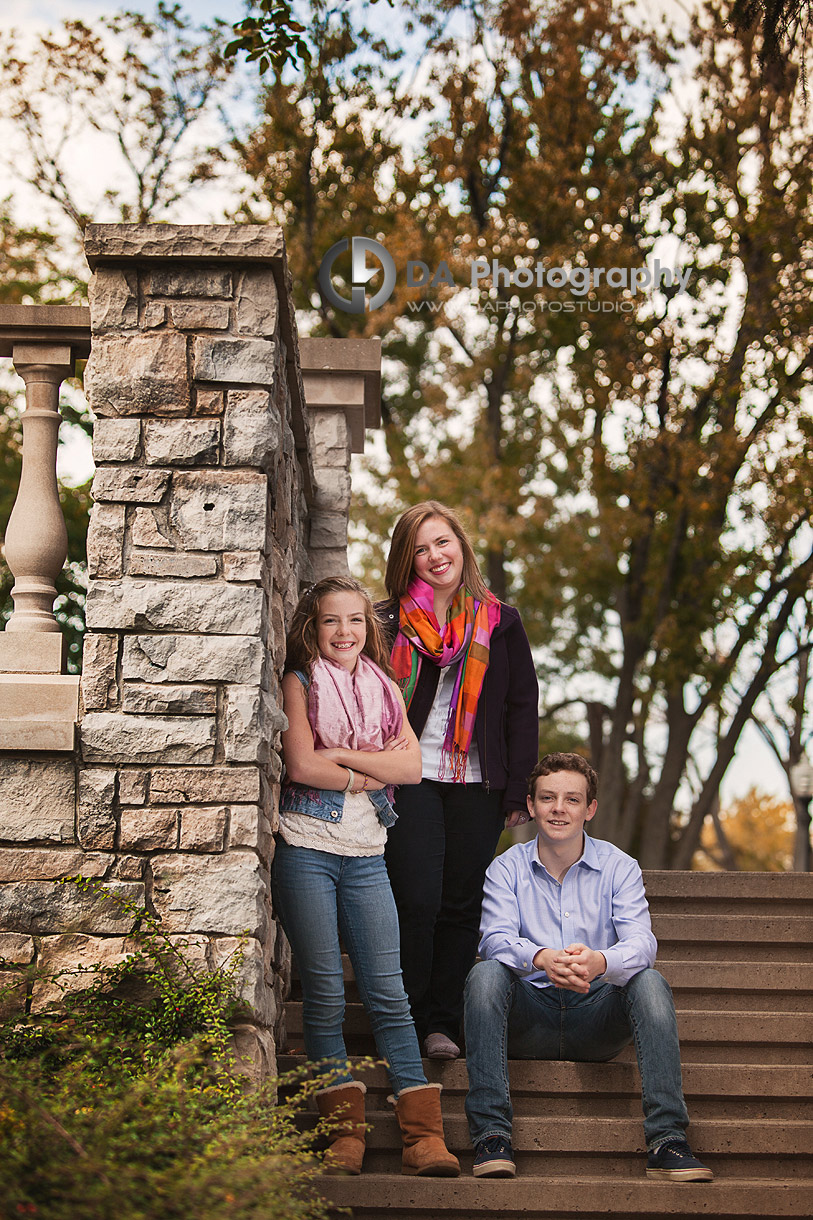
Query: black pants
[(437, 854)]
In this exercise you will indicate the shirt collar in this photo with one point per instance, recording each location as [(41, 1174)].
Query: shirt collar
[(589, 857)]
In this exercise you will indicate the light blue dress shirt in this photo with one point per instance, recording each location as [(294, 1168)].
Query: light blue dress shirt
[(600, 903)]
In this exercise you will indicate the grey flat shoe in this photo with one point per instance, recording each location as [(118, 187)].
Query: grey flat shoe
[(438, 1046)]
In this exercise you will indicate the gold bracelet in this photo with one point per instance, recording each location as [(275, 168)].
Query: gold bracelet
[(366, 781)]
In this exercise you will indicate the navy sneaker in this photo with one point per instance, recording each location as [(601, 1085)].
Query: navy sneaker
[(674, 1162), (493, 1158)]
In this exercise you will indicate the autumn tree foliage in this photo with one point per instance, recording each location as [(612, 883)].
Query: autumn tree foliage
[(638, 477), (784, 717), (786, 27), (754, 833), (634, 466)]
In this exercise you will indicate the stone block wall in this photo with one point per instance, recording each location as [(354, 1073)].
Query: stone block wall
[(205, 496)]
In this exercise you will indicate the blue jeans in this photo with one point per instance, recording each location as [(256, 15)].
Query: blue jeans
[(317, 896), (506, 1016)]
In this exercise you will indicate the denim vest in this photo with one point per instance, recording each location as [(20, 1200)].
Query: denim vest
[(325, 803)]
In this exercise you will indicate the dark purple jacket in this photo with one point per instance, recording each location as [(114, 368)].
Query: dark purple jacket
[(507, 724)]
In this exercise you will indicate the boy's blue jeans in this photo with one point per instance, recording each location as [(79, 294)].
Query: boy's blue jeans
[(507, 1017), (317, 895)]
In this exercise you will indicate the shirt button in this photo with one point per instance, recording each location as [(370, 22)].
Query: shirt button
[(334, 813), (567, 914)]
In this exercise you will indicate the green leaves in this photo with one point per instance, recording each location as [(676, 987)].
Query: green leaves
[(275, 37), (123, 1098)]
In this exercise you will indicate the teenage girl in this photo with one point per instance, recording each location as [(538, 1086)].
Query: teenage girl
[(347, 742), (463, 662)]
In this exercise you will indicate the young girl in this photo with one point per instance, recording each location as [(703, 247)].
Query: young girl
[(346, 743)]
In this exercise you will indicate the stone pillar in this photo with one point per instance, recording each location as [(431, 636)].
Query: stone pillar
[(195, 564), (209, 509)]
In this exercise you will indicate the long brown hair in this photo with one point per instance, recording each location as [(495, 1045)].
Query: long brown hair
[(302, 649), (402, 550)]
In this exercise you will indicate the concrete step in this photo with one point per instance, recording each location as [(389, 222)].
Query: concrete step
[(590, 1135), (732, 1090), (791, 982), (391, 1196), (785, 938), (720, 894), (705, 1035), (607, 1139), (743, 986), (613, 1165), (738, 952)]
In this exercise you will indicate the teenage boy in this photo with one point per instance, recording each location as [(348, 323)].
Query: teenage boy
[(567, 974)]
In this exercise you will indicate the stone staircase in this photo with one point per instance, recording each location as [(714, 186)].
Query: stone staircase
[(737, 949)]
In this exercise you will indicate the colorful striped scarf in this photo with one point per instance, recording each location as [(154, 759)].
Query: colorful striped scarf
[(466, 634)]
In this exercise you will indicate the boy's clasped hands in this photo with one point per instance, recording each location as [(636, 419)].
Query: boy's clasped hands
[(573, 968)]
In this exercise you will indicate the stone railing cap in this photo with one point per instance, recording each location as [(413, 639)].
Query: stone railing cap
[(347, 356), (63, 324), (117, 243)]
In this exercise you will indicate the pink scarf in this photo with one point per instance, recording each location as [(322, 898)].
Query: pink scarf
[(352, 711)]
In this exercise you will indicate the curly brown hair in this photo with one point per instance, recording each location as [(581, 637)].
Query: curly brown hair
[(552, 763), (301, 647), (402, 550)]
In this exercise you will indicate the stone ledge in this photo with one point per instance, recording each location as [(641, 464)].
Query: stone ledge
[(121, 243), (344, 373), (34, 323)]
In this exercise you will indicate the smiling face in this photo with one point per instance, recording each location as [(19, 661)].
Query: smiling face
[(341, 628), (438, 557), (560, 809)]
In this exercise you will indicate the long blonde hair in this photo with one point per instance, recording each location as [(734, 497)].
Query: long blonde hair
[(402, 550), (301, 647)]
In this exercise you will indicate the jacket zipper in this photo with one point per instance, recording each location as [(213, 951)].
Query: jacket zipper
[(486, 784)]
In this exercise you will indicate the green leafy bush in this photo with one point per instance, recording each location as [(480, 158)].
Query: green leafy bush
[(122, 1101)]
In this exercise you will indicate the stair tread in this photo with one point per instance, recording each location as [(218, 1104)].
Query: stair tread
[(766, 1025), (550, 1077), (715, 975), (741, 929), (575, 1194), (749, 969), (607, 1133), (711, 887), (737, 949)]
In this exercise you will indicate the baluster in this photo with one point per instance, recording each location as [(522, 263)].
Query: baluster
[(36, 543)]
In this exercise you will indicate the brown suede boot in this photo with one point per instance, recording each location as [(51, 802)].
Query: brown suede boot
[(425, 1152), (344, 1105)]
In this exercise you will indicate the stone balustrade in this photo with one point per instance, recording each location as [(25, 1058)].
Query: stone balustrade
[(219, 490), (38, 702)]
